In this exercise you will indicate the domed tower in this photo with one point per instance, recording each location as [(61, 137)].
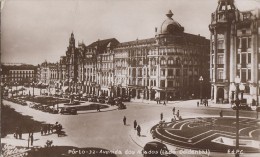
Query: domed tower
[(170, 30), (223, 49)]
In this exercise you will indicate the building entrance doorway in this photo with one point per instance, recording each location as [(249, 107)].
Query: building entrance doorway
[(220, 95)]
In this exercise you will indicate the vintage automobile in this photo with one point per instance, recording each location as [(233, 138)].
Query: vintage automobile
[(156, 149), (93, 99), (242, 107), (110, 101), (126, 98), (68, 110), (101, 99), (121, 105)]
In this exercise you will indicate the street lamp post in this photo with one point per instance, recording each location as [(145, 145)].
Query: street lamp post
[(33, 87), (201, 80), (16, 88), (238, 87)]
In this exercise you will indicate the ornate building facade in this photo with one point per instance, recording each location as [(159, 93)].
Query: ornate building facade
[(18, 74), (49, 73), (235, 40), (167, 66)]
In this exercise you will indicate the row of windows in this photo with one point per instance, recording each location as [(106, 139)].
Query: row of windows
[(172, 50), (22, 75), (243, 43), (244, 58), (174, 83), (177, 72), (244, 74), (22, 72)]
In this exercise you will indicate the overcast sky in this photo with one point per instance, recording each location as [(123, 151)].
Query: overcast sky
[(36, 30)]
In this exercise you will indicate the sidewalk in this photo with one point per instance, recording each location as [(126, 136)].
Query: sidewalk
[(39, 140), (183, 103)]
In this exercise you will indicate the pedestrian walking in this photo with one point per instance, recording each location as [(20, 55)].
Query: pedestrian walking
[(178, 113), (45, 129), (221, 113), (207, 102), (161, 116), (98, 108), (198, 104), (164, 103), (41, 129), (135, 124), (124, 120), (16, 132), (20, 133), (173, 111), (49, 128), (32, 139), (153, 134), (138, 130), (157, 100)]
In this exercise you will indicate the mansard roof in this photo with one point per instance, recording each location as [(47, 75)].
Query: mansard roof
[(103, 43), (138, 42)]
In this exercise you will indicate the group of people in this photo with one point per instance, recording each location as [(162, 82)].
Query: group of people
[(46, 129), (18, 133), (177, 114), (204, 102), (136, 127)]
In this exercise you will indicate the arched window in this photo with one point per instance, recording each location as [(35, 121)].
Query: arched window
[(163, 61), (170, 61)]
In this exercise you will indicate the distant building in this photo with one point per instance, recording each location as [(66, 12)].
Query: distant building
[(18, 73), (49, 73), (167, 66), (235, 51)]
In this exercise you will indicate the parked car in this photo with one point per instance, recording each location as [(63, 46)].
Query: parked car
[(68, 110), (101, 99), (93, 99), (126, 98), (111, 101), (53, 111), (242, 107), (156, 149), (121, 106)]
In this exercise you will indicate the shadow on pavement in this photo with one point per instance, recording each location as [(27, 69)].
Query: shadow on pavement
[(64, 151)]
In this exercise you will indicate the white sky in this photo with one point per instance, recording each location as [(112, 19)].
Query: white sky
[(36, 30)]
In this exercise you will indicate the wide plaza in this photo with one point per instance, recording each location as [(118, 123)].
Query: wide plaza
[(105, 130)]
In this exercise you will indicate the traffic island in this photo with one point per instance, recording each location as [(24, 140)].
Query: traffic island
[(210, 133)]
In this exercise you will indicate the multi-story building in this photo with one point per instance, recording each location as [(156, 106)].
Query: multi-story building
[(49, 74), (235, 40), (18, 73), (167, 66), (72, 61)]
